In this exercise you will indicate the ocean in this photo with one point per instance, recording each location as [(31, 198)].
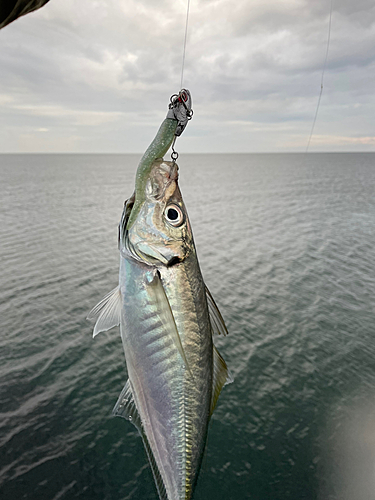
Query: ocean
[(286, 244)]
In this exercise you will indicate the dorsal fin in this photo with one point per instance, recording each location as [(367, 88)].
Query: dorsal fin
[(217, 321), (221, 377), (125, 408), (107, 312)]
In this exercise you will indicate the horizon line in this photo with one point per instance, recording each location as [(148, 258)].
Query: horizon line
[(181, 153)]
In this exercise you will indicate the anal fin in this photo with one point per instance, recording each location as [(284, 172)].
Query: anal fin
[(126, 408)]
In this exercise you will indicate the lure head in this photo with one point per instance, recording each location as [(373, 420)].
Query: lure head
[(180, 110), (160, 233)]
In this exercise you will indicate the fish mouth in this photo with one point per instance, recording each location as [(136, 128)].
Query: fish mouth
[(152, 255), (174, 261)]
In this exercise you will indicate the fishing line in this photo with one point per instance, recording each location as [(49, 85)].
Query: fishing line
[(321, 81), (184, 51), (174, 154)]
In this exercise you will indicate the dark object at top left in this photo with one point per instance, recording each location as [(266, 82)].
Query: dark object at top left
[(10, 10)]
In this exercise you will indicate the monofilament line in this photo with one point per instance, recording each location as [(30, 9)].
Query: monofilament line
[(184, 51), (321, 81)]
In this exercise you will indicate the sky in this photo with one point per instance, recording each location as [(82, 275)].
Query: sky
[(96, 76)]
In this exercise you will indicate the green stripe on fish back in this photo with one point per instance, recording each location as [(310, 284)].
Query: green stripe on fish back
[(157, 149)]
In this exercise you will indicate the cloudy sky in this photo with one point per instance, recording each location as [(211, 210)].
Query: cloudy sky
[(96, 75)]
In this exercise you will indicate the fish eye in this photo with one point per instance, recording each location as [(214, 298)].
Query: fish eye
[(174, 215)]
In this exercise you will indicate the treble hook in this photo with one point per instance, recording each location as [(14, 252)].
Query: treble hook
[(180, 110)]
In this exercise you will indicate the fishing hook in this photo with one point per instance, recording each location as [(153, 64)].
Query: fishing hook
[(174, 154), (180, 110)]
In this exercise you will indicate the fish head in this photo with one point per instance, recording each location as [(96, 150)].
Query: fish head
[(160, 232)]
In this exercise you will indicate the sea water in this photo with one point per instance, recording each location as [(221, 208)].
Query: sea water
[(286, 244)]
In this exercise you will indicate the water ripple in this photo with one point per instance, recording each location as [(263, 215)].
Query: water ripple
[(286, 245)]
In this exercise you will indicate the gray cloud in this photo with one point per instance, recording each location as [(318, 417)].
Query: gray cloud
[(96, 76)]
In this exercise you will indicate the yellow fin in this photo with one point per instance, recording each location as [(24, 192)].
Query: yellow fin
[(217, 321), (221, 377)]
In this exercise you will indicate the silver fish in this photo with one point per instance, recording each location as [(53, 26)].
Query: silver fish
[(167, 318)]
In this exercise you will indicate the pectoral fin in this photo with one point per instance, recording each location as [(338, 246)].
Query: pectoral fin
[(217, 321), (107, 312), (125, 408), (221, 377), (156, 291)]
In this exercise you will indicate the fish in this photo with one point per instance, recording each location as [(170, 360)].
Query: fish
[(167, 319)]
